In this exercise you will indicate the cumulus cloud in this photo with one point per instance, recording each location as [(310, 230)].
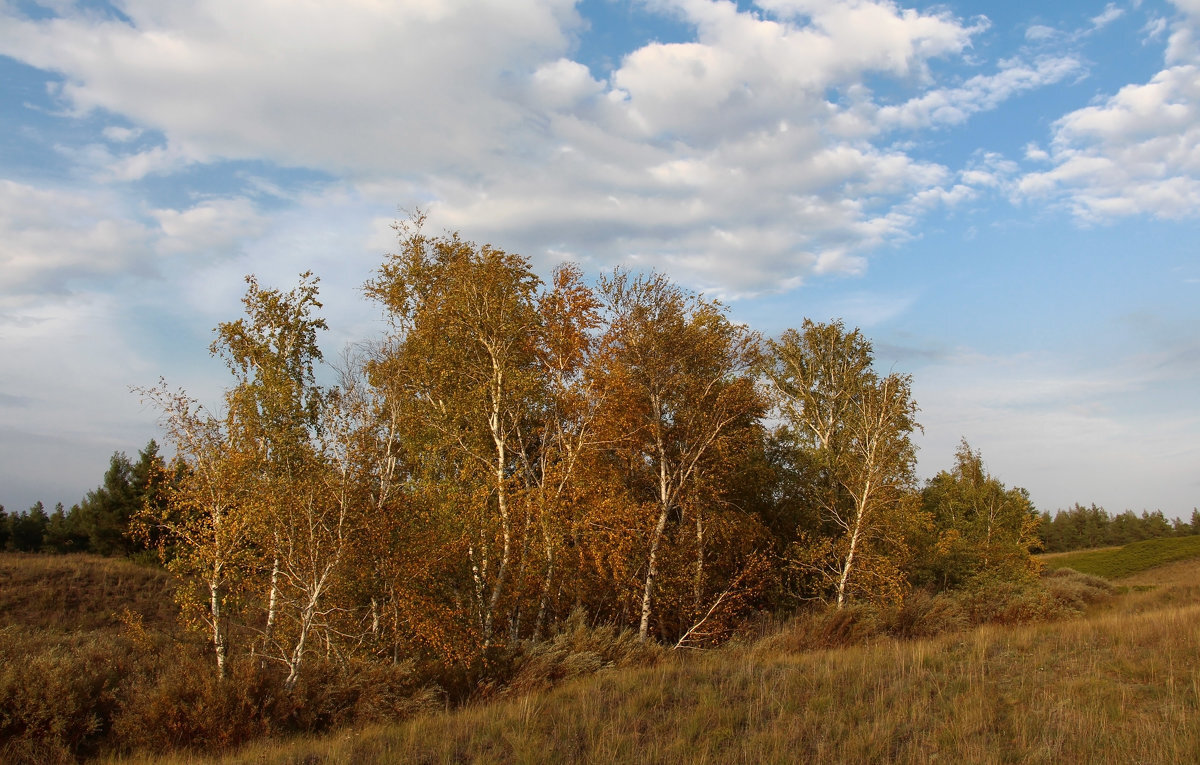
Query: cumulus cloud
[(747, 157), (54, 241), (350, 86), (723, 159), (1138, 151), (213, 226)]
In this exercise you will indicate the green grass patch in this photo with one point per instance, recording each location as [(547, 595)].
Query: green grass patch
[(1115, 563)]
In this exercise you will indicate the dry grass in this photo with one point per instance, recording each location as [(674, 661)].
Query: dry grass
[(1119, 686), (74, 593)]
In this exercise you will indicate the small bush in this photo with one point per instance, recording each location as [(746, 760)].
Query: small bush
[(183, 705), (577, 649), (827, 628), (1075, 591), (58, 697), (984, 600), (924, 615), (988, 600)]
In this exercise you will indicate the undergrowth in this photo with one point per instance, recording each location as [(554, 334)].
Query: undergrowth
[(1117, 686), (142, 689)]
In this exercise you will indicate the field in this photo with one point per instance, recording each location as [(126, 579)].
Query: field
[(81, 593), (1118, 562), (1120, 684)]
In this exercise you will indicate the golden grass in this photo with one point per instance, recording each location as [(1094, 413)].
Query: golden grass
[(1119, 686), (73, 593)]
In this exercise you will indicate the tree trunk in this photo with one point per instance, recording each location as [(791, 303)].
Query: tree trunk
[(273, 599), (698, 577), (218, 634), (652, 573)]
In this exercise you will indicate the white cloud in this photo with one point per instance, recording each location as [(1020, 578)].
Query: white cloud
[(213, 226), (1110, 14), (1041, 33), (58, 242), (951, 106), (1154, 28), (1036, 153), (1182, 45), (50, 239), (360, 86), (1136, 153), (755, 133), (118, 134), (157, 160)]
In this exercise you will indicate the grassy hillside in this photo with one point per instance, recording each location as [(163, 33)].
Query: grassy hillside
[(1122, 685), (70, 593), (1117, 562)]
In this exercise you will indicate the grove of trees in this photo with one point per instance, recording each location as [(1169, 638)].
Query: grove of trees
[(102, 522), (511, 453)]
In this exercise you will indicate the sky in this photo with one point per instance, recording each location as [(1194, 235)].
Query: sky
[(1004, 197)]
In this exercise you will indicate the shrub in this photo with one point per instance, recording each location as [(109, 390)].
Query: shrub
[(825, 628), (992, 600), (1075, 591), (182, 704), (577, 649), (924, 615), (58, 696)]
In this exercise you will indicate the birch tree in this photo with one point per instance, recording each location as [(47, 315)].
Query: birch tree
[(205, 527), (464, 366), (278, 413), (679, 385), (250, 479), (856, 426), (562, 430)]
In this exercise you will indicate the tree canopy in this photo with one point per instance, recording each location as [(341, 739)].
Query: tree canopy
[(512, 451)]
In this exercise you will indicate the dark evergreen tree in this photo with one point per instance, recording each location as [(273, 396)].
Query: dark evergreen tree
[(64, 533), (106, 512), (1156, 525), (27, 530)]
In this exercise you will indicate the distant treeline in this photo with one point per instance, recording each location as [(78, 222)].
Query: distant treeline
[(101, 522), (1080, 528)]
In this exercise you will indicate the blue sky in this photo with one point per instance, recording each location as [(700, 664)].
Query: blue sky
[(1004, 196)]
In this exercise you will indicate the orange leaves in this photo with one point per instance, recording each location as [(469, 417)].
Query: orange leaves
[(513, 451)]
